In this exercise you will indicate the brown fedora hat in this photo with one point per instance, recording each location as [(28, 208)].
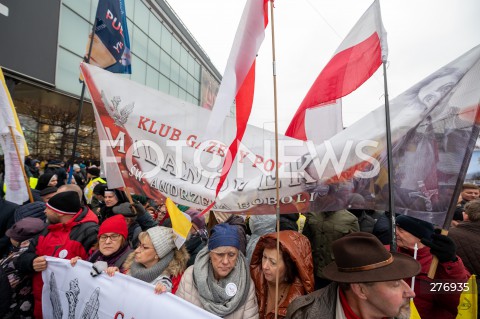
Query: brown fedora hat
[(361, 257)]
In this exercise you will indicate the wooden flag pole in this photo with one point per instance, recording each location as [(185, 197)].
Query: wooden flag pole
[(129, 196), (434, 264), (130, 199), (20, 160), (277, 181)]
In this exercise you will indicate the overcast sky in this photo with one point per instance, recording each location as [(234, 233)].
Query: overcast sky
[(422, 37)]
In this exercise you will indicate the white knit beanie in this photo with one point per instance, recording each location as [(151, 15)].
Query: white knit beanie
[(162, 240)]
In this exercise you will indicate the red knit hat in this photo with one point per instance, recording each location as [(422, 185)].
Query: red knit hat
[(115, 224)]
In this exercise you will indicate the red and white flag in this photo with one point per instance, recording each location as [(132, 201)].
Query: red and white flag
[(356, 59), (238, 82)]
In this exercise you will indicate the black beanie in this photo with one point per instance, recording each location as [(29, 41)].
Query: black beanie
[(66, 203), (48, 190), (35, 209), (416, 227), (93, 170), (100, 189)]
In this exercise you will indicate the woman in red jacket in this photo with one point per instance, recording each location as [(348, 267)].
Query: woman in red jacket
[(294, 267)]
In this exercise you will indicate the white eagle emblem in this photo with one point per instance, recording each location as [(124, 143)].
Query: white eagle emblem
[(117, 113)]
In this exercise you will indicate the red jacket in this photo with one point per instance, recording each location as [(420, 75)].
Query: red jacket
[(436, 305), (74, 238)]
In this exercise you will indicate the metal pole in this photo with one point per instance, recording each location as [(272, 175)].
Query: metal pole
[(80, 107), (391, 196)]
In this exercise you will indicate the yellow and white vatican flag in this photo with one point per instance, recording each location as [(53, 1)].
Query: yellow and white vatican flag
[(181, 223)]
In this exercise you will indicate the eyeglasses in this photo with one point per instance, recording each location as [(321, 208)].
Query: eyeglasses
[(159, 208), (112, 237), (143, 247)]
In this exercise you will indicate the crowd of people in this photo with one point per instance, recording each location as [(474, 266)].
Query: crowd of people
[(337, 264)]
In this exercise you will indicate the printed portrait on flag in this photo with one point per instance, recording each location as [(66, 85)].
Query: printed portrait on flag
[(429, 154)]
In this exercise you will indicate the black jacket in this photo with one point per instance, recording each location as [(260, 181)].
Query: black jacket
[(7, 211)]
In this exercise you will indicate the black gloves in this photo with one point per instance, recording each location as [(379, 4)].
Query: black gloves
[(144, 219), (441, 246), (140, 209)]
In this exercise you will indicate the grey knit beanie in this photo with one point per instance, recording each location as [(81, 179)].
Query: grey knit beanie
[(162, 240)]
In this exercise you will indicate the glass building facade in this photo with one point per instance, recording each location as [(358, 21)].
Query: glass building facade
[(160, 59), (165, 56)]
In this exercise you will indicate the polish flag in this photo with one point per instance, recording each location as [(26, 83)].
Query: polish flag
[(356, 59), (238, 82)]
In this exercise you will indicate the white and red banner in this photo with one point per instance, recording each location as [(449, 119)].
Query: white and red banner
[(356, 59), (71, 292), (155, 140)]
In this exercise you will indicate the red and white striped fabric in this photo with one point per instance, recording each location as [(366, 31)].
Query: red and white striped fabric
[(238, 82), (356, 59)]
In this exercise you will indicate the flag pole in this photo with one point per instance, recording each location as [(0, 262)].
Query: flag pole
[(458, 187), (130, 199), (277, 181), (80, 107), (20, 160), (391, 197)]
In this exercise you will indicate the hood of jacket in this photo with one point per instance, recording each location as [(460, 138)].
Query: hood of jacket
[(297, 246)]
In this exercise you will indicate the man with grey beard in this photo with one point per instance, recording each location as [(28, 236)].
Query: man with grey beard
[(367, 283)]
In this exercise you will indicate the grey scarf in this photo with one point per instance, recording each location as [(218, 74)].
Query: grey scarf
[(213, 295), (150, 274)]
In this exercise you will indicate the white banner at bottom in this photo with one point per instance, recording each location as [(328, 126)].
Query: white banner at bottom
[(71, 292)]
